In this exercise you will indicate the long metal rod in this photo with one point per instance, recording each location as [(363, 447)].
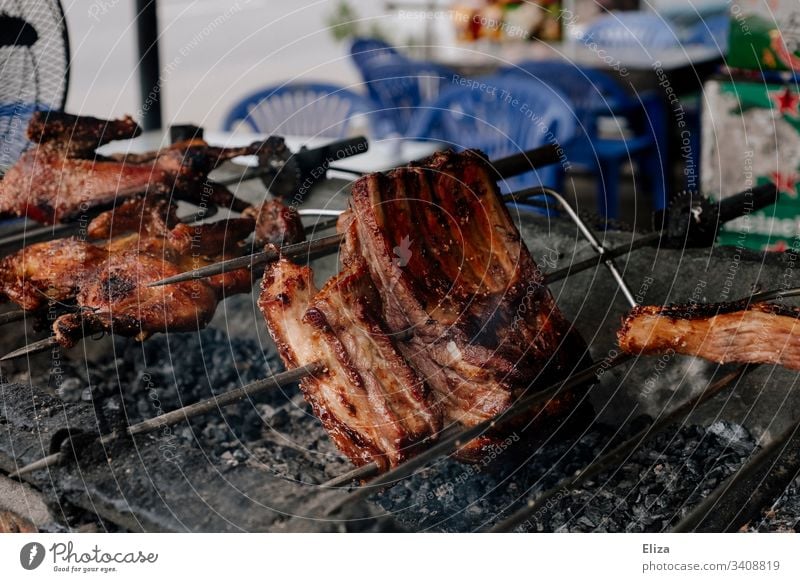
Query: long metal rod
[(602, 251), (620, 453), (330, 244), (357, 474), (17, 241), (202, 407)]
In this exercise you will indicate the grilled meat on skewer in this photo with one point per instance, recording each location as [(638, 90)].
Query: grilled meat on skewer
[(78, 136), (276, 223), (107, 279), (450, 266), (371, 402), (760, 333), (430, 250), (62, 177)]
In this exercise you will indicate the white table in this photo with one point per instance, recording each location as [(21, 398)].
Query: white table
[(487, 56), (381, 155)]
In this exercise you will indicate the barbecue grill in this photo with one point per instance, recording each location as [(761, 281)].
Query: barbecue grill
[(676, 443)]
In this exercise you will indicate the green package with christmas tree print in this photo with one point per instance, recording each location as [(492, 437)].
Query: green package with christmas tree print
[(751, 136), (765, 35)]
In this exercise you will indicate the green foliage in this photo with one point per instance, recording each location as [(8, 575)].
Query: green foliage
[(344, 23)]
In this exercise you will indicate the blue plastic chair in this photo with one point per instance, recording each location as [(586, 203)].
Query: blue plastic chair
[(305, 109), (596, 97), (463, 118), (400, 87), (366, 51), (624, 29), (14, 119)]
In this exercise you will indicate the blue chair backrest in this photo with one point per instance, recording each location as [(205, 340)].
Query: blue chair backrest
[(306, 109), (14, 119), (590, 92), (712, 32), (364, 51), (400, 87), (507, 116), (625, 29)]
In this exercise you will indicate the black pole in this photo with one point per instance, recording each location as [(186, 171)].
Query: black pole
[(149, 66)]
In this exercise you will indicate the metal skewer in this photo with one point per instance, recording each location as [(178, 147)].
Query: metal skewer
[(357, 474), (12, 316), (176, 416), (17, 241), (33, 348), (323, 245)]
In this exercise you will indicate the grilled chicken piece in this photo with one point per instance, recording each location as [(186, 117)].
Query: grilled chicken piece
[(78, 136), (450, 266), (762, 333), (372, 404), (62, 178), (276, 223), (108, 279)]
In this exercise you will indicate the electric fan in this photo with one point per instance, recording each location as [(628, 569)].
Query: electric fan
[(34, 68)]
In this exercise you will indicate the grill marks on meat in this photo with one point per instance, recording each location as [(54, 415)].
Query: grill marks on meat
[(62, 177), (370, 401), (450, 265), (723, 333), (108, 279)]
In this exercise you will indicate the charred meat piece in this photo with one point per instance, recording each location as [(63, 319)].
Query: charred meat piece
[(62, 178), (451, 267), (761, 333), (78, 136), (276, 223), (370, 401), (108, 280)]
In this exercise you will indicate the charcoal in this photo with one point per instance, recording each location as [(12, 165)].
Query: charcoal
[(674, 470), (784, 515)]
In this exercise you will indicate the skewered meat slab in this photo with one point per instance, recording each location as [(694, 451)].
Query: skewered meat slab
[(725, 332), (371, 402), (108, 280), (450, 266), (62, 177)]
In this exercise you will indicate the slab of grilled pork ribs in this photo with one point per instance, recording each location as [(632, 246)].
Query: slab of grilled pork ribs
[(737, 331), (62, 177), (438, 317), (104, 273)]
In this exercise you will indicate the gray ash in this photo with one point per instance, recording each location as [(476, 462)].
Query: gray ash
[(784, 515), (651, 492), (276, 431)]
